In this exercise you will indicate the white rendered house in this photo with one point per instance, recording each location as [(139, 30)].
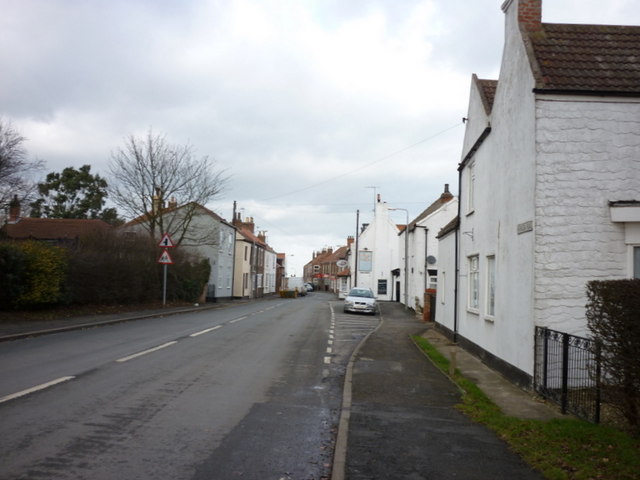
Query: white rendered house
[(377, 255), (549, 187)]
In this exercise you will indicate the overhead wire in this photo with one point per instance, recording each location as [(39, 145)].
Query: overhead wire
[(344, 174)]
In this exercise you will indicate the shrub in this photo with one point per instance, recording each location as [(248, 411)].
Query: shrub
[(111, 269), (12, 274), (613, 316), (187, 276), (44, 277)]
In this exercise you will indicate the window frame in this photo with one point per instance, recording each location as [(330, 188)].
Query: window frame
[(490, 293), (473, 287), (471, 179)]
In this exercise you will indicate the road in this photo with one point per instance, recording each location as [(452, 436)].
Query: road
[(251, 391)]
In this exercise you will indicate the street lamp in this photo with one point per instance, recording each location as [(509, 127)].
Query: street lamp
[(406, 257)]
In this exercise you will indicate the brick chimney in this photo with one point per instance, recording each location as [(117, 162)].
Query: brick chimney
[(530, 15), (14, 209), (350, 241), (446, 195)]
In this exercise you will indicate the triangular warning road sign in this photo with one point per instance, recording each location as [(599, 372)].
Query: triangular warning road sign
[(166, 242), (165, 258)]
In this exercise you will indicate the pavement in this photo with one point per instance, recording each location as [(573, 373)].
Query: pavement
[(399, 419)]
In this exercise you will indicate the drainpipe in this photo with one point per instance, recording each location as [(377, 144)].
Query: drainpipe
[(457, 261)]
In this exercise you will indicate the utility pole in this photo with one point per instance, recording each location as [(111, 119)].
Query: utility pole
[(355, 269), (374, 196)]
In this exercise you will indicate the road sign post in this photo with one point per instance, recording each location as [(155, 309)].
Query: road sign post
[(165, 259)]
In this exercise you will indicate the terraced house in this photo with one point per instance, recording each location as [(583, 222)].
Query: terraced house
[(549, 189)]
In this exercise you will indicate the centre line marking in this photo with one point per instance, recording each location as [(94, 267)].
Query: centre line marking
[(206, 331), (139, 354), (237, 319), (42, 386)]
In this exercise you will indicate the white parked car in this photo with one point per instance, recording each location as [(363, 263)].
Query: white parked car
[(361, 300)]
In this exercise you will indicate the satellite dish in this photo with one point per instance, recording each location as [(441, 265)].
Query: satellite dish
[(431, 259), (342, 263)]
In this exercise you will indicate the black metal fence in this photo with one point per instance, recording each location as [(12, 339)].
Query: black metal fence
[(567, 372)]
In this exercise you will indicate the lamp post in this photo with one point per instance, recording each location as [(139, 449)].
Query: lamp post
[(406, 257)]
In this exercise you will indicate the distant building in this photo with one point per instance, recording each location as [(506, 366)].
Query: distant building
[(59, 231), (205, 233)]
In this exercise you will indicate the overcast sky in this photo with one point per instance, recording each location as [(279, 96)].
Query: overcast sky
[(306, 104)]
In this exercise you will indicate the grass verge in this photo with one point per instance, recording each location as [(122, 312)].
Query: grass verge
[(559, 449)]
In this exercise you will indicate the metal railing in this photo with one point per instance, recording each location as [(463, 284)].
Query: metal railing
[(567, 372)]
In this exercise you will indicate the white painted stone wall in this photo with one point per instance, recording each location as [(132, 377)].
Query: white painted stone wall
[(504, 187), (422, 245), (445, 305), (381, 238), (588, 155)]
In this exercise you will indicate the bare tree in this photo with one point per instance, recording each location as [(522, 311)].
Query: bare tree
[(16, 168), (149, 177)]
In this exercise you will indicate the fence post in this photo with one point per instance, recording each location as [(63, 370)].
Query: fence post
[(565, 372)]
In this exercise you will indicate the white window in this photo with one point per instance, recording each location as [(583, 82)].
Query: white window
[(491, 285), (636, 262), (474, 283), (471, 187)]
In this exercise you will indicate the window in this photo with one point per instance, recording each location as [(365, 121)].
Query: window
[(491, 285), (474, 283), (471, 187), (636, 262), (382, 287)]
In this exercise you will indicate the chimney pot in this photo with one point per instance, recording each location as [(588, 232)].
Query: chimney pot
[(14, 209)]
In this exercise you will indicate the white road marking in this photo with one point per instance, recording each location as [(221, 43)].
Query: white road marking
[(139, 354), (327, 360), (42, 386), (205, 331), (237, 319), (329, 350)]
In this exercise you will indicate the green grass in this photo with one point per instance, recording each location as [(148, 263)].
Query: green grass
[(559, 449)]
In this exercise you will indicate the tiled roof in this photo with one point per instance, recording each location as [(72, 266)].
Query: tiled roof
[(252, 237), (449, 227), (586, 58), (193, 205), (54, 228), (444, 198)]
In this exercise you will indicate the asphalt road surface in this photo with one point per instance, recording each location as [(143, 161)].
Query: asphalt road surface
[(251, 391)]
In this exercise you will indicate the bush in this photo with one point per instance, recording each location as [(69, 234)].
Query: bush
[(13, 268), (111, 269), (114, 269), (613, 316), (44, 276), (187, 276)]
